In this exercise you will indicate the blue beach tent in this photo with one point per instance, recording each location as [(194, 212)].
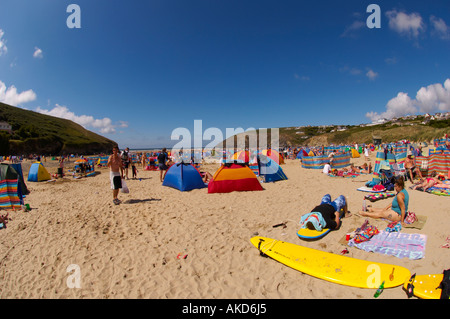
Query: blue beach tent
[(38, 173), (270, 170), (184, 177)]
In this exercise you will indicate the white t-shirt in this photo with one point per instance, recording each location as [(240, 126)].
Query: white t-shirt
[(326, 169)]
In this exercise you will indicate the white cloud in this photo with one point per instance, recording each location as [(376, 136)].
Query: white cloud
[(352, 71), (371, 74), (350, 31), (440, 28), (12, 97), (406, 24), (123, 124), (37, 53), (3, 48), (391, 61), (303, 77), (401, 105), (430, 99), (434, 98), (105, 125)]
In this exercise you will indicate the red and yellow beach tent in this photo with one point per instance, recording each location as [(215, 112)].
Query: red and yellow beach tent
[(274, 155), (243, 156), (233, 177)]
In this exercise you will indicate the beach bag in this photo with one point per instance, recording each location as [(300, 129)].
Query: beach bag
[(124, 188), (410, 218), (445, 285), (389, 186)]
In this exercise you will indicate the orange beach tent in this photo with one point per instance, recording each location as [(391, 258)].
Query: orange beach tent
[(234, 177)]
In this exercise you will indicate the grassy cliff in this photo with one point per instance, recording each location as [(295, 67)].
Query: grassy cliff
[(392, 131), (43, 134)]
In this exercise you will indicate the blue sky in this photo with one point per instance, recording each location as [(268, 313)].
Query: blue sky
[(136, 70)]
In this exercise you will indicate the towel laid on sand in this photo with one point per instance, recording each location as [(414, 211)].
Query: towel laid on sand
[(378, 196), (419, 223), (315, 219), (396, 244)]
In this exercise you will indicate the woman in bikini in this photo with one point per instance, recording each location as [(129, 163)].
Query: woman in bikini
[(428, 182), (397, 210)]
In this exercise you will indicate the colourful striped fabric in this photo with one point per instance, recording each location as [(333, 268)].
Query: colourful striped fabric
[(103, 160), (234, 177), (400, 148), (9, 197), (254, 167), (441, 141), (400, 157), (440, 151), (318, 162), (436, 162)]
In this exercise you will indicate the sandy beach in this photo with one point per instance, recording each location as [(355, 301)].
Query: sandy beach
[(130, 250)]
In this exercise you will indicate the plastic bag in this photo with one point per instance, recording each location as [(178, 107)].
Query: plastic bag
[(124, 188)]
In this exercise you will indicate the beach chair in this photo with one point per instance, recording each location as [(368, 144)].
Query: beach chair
[(424, 168), (400, 170)]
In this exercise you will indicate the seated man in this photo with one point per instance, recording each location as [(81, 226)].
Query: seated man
[(411, 168), (326, 215)]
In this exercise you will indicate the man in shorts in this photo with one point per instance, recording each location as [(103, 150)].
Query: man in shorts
[(410, 166), (115, 173), (329, 211)]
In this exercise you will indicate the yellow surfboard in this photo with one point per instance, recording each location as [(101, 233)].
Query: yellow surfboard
[(425, 286), (331, 267)]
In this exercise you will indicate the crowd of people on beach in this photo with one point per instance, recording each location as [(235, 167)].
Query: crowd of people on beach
[(121, 162)]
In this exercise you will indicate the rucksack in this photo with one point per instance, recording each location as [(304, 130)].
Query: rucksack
[(445, 285)]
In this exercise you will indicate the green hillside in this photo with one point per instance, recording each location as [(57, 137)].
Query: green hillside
[(43, 134), (410, 129)]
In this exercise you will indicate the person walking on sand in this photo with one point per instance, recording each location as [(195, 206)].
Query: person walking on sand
[(143, 160), (115, 173), (162, 159), (125, 157)]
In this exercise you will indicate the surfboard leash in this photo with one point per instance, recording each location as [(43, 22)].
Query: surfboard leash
[(261, 253), (410, 286), (259, 248)]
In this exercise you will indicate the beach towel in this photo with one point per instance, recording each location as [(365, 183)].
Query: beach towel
[(442, 189), (378, 196), (396, 244), (394, 227), (370, 189), (315, 219), (9, 197), (365, 234)]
